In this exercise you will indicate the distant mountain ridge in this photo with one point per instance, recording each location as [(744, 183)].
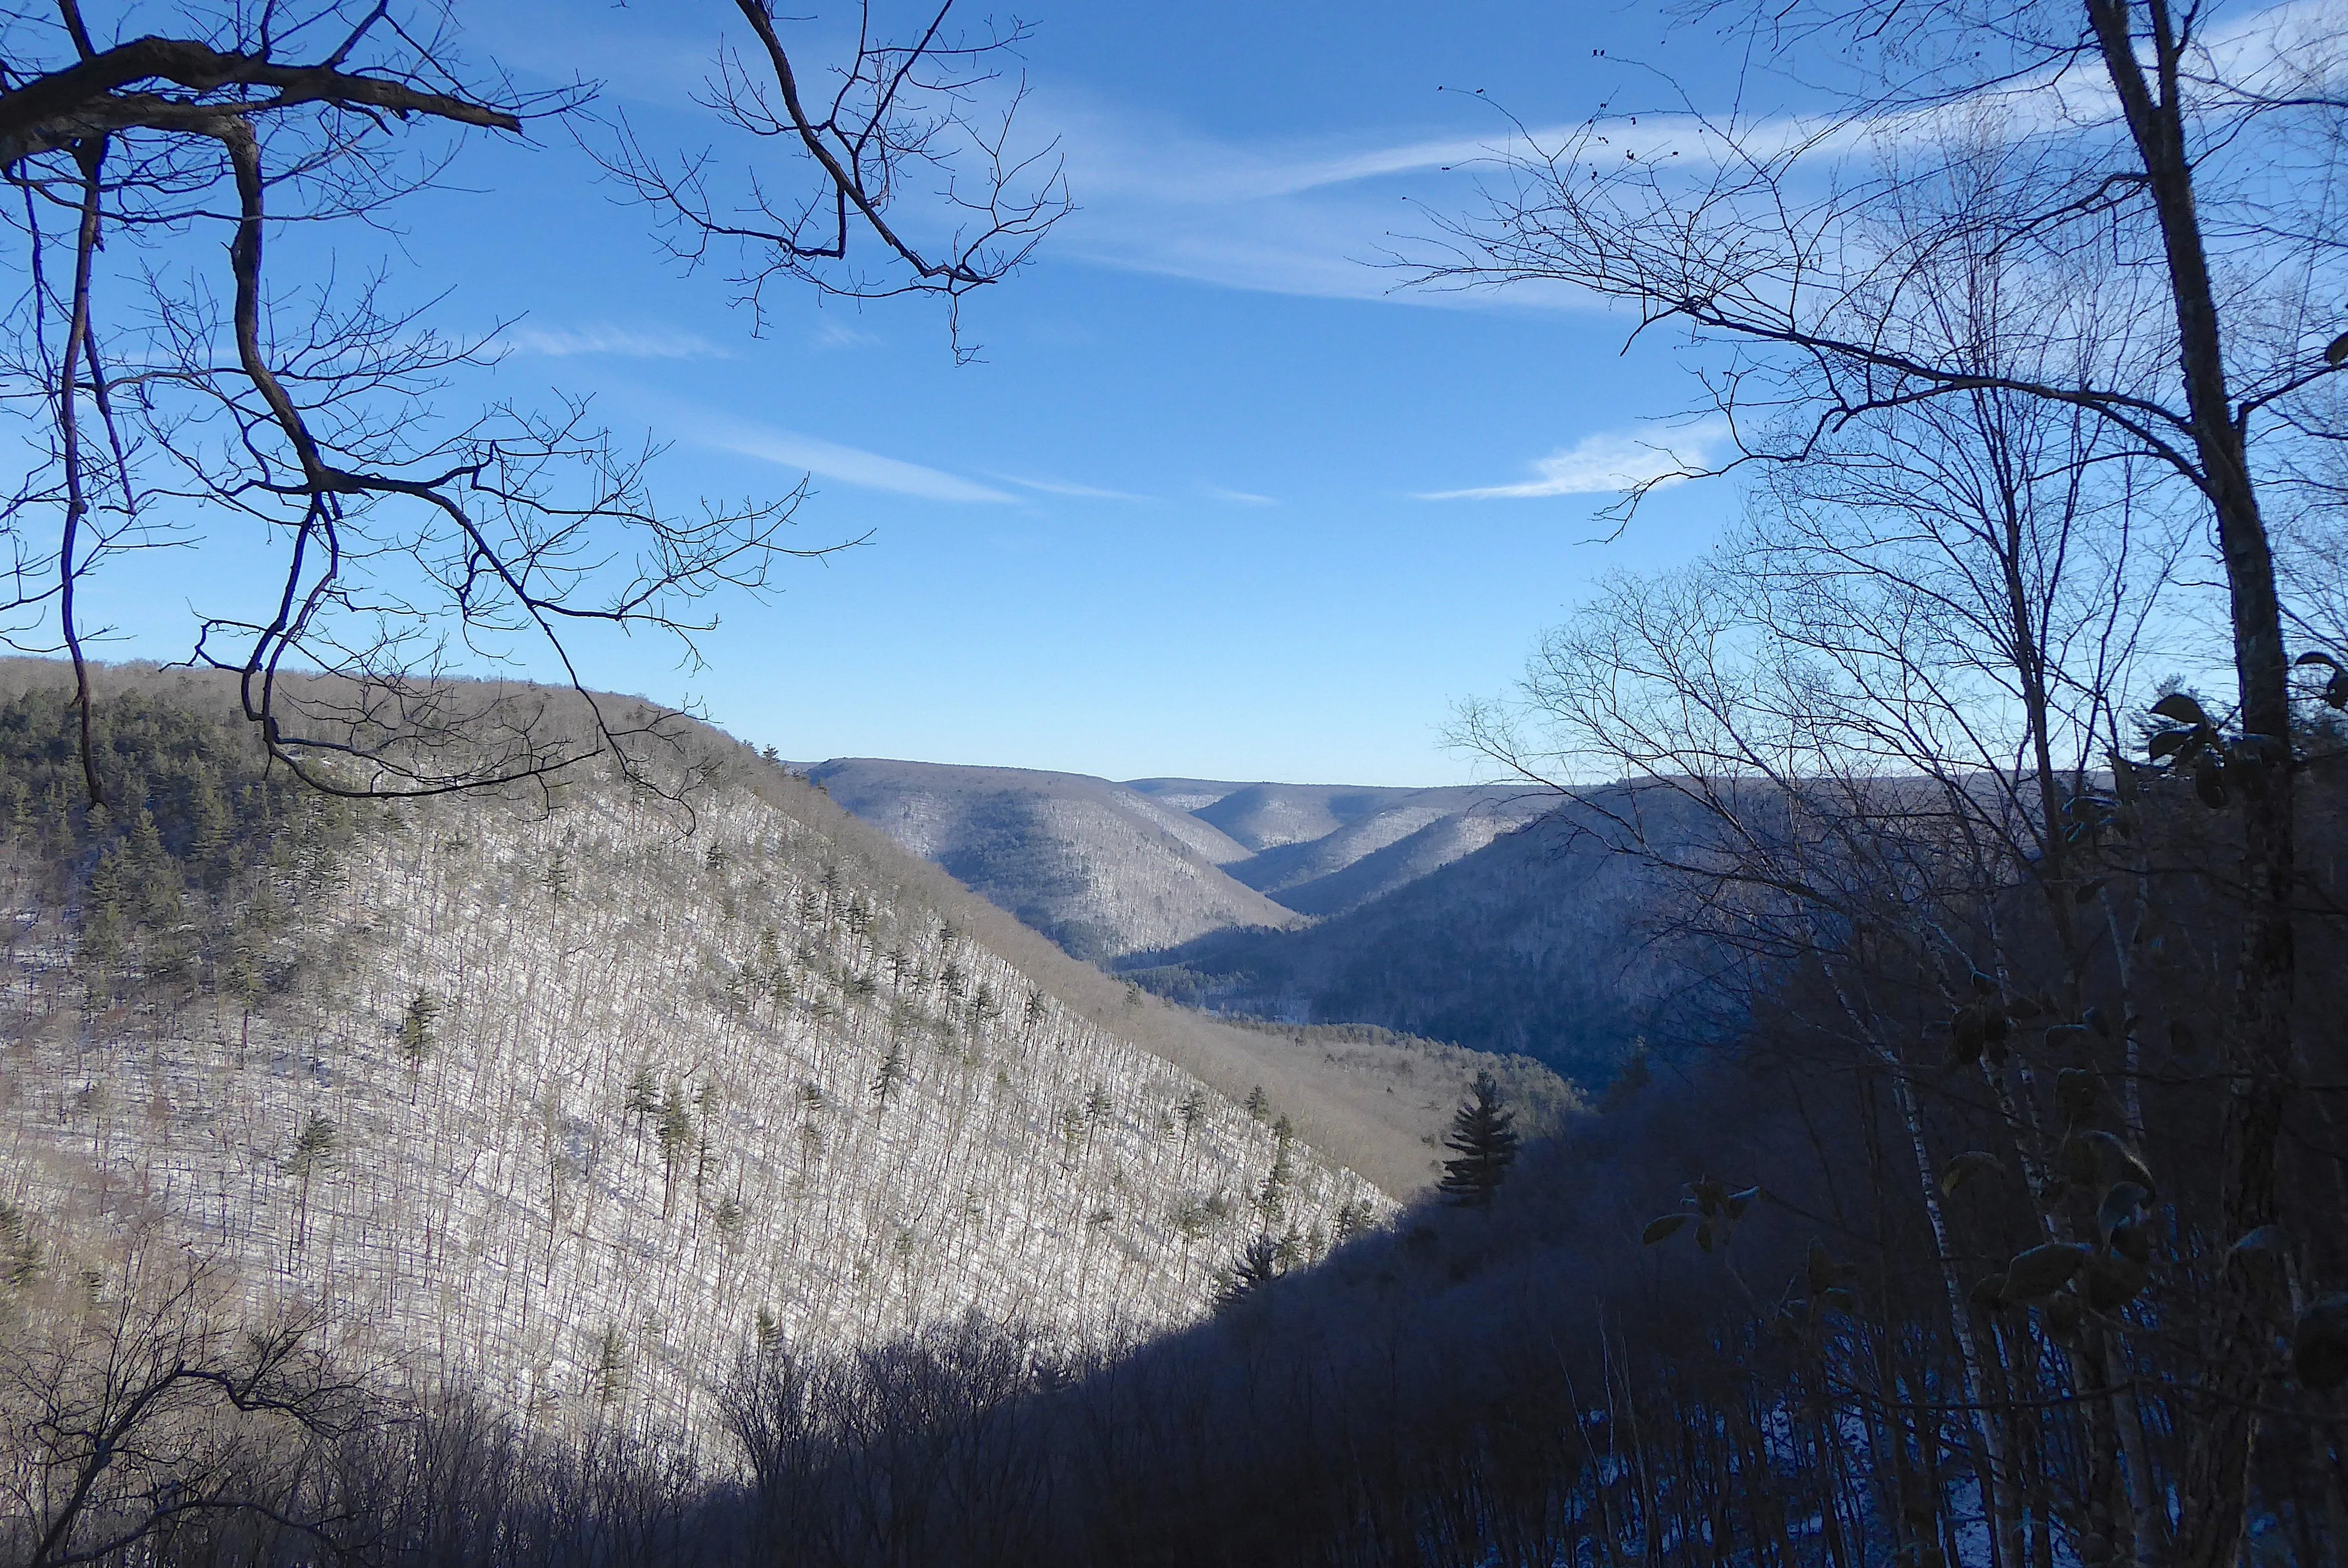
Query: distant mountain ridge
[(1107, 869), (1404, 838), (1101, 869), (1474, 914), (1543, 940), (1271, 816)]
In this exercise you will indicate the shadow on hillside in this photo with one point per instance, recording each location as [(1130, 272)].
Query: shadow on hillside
[(1549, 942), (1431, 1393)]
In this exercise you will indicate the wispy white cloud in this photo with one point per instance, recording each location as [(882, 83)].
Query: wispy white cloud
[(839, 334), (1607, 463), (1318, 217), (849, 465), (1330, 220), (625, 343), (1155, 197), (645, 54), (1061, 487), (1240, 497)]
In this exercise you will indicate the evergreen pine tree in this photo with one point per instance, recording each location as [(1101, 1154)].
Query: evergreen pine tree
[(208, 831), (673, 1127), (314, 1147), (415, 1033), (1192, 1111), (20, 1250), (891, 1076), (1258, 1264), (611, 1365), (1272, 1198), (1633, 1075), (1484, 1137)]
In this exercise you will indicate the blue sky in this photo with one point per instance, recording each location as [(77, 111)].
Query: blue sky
[(1177, 521)]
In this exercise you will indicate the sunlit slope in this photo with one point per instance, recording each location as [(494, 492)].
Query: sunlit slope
[(1402, 840), (1489, 917), (1265, 816), (683, 1077), (1378, 1106), (1100, 868), (1106, 869)]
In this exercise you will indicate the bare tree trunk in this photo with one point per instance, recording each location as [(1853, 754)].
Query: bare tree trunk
[(2259, 1051), (1985, 1426), (89, 154)]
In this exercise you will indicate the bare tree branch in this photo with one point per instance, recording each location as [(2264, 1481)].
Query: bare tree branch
[(408, 547)]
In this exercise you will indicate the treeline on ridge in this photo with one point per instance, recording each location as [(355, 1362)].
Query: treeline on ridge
[(187, 870)]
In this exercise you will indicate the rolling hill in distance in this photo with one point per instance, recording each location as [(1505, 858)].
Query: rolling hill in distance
[(1539, 941), (1481, 916), (1100, 869)]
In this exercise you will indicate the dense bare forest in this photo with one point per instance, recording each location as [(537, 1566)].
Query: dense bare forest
[(1946, 1303), (558, 1102)]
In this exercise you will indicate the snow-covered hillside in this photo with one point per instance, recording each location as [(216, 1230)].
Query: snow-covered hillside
[(1542, 940), (1101, 869), (574, 1104)]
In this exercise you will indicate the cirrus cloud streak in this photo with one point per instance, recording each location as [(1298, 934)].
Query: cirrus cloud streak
[(1607, 463), (624, 342), (849, 465)]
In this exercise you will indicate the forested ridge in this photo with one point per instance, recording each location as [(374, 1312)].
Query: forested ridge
[(192, 872), (556, 1103)]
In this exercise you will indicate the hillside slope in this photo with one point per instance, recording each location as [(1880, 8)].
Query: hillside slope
[(1271, 816), (1402, 840), (678, 1079), (1478, 915), (1540, 943), (1100, 868), (1377, 1101), (1107, 869)]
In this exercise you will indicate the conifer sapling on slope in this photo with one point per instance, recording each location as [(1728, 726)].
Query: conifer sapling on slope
[(314, 1147), (1483, 1134), (417, 1037), (1258, 1264)]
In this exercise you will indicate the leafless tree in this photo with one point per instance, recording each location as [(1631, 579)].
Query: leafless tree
[(2179, 160), (163, 387), (1839, 733), (153, 1409), (895, 113)]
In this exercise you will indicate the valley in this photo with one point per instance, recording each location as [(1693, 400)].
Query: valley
[(1500, 919), (570, 1100), (1864, 1086)]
